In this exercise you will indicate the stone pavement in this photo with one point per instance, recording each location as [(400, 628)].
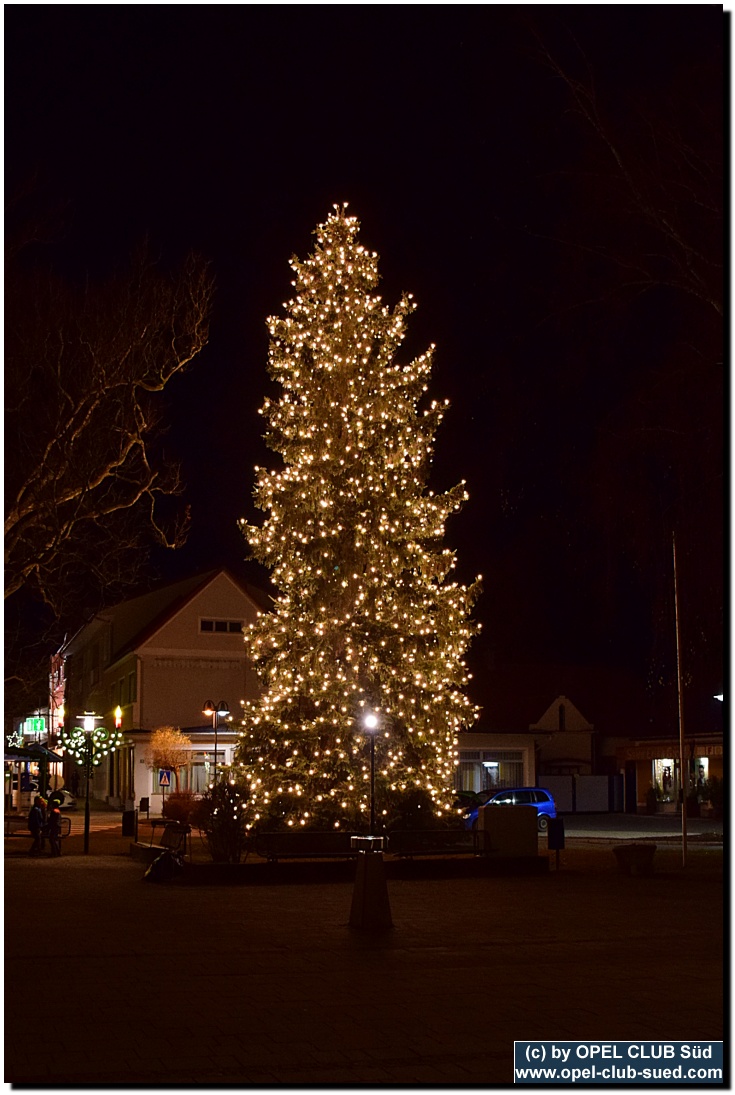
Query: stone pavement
[(255, 985)]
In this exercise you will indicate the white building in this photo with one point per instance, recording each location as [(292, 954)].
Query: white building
[(155, 660)]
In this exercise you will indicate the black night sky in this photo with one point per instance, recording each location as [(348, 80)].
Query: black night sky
[(571, 279)]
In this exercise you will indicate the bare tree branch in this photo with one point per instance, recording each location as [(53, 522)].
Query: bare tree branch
[(657, 178), (83, 370)]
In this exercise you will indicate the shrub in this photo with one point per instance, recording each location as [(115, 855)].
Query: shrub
[(714, 791), (220, 817), (178, 806), (416, 810)]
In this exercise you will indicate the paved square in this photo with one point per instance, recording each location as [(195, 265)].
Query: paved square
[(265, 983)]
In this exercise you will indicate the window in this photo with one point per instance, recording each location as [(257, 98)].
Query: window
[(132, 687), (525, 798), (503, 800), (198, 779), (221, 627)]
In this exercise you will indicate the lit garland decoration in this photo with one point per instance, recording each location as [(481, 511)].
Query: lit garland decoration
[(102, 742), (366, 618)]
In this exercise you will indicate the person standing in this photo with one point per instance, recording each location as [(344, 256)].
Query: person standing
[(36, 823), (54, 827)]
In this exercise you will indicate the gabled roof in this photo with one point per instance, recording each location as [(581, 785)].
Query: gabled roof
[(135, 620), (513, 695), (550, 720)]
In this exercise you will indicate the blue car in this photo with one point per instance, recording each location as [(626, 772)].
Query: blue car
[(516, 796)]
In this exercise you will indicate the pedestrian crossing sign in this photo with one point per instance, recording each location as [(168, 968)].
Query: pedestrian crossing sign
[(164, 777)]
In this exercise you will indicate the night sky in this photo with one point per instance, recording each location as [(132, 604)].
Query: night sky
[(579, 341)]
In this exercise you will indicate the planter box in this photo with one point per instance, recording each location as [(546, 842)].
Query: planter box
[(635, 858)]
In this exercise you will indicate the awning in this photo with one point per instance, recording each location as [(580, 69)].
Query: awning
[(32, 752)]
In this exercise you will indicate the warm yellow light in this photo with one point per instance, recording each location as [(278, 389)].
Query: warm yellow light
[(365, 630)]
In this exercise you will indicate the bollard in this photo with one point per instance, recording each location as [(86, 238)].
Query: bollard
[(370, 905), (555, 836)]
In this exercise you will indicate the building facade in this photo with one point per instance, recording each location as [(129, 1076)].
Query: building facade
[(154, 661)]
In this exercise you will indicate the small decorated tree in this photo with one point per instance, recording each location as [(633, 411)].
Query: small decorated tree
[(368, 619), (169, 749)]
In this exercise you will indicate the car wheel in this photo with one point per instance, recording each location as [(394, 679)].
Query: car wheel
[(543, 823)]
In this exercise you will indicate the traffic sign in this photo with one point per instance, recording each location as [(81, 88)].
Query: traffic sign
[(164, 777)]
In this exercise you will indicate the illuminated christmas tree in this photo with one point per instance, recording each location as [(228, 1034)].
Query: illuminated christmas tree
[(367, 619)]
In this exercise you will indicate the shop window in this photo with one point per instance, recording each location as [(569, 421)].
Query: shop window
[(489, 769), (664, 773)]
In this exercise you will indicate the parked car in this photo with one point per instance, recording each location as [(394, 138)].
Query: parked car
[(517, 796)]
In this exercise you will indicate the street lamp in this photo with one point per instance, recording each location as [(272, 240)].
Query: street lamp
[(370, 722), (370, 905), (222, 710), (88, 727), (88, 744)]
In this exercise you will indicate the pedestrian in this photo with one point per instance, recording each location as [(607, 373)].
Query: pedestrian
[(54, 828), (37, 823)]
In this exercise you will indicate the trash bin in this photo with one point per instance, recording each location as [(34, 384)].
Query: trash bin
[(129, 822), (555, 834)]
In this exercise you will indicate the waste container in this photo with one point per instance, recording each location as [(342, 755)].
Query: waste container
[(129, 822)]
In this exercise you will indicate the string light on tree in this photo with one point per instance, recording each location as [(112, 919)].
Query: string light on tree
[(368, 617)]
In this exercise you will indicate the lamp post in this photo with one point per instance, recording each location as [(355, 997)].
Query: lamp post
[(88, 744), (221, 710), (370, 722), (88, 725), (370, 905)]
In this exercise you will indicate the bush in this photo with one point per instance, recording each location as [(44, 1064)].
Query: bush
[(178, 806), (220, 817), (416, 810), (714, 791)]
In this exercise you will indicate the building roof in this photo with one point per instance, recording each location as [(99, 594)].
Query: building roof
[(515, 697), (136, 619)]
